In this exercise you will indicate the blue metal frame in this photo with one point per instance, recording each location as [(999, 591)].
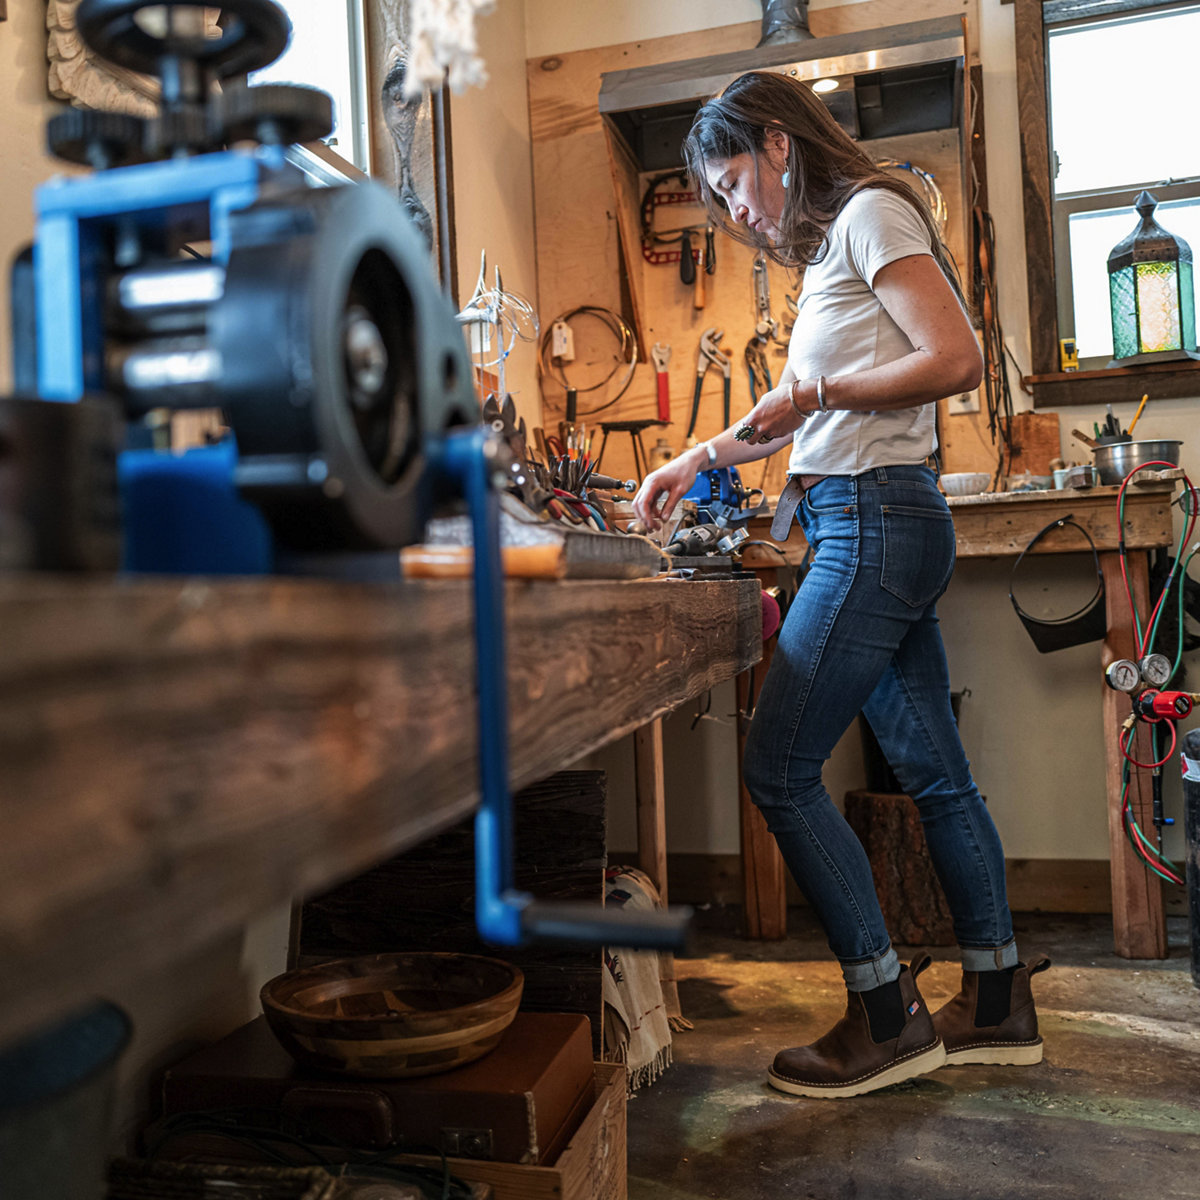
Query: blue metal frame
[(72, 216)]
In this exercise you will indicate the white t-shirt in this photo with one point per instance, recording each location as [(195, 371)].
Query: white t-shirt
[(842, 328)]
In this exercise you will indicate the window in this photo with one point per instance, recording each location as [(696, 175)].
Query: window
[(328, 51), (1121, 97)]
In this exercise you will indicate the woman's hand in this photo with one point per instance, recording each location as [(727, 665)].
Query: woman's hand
[(672, 480), (772, 418)]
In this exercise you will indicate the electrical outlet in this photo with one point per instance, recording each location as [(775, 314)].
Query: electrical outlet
[(967, 402)]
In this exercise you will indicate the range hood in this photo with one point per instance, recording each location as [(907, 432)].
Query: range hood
[(897, 80)]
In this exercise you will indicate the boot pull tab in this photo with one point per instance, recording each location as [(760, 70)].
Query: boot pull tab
[(1040, 963), (919, 964)]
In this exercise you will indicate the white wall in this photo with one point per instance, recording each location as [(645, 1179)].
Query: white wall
[(493, 184), (1032, 725)]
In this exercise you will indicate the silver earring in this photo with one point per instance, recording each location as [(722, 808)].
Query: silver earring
[(786, 179)]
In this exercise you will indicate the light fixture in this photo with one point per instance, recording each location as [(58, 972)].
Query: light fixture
[(824, 85), (1151, 293)]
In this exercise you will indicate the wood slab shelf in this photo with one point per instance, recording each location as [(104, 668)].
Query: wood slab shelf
[(1161, 381), (178, 756)]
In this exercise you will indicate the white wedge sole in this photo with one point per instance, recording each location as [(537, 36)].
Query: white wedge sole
[(919, 1063)]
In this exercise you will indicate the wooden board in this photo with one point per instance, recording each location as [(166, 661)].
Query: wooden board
[(1004, 523), (1035, 441), (592, 1167), (579, 254), (1139, 922), (178, 756), (764, 876)]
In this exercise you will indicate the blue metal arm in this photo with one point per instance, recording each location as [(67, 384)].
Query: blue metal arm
[(503, 915)]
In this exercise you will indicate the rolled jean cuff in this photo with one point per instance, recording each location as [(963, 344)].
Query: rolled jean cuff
[(863, 976), (980, 958)]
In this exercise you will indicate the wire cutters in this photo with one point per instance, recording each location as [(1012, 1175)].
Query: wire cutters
[(710, 354)]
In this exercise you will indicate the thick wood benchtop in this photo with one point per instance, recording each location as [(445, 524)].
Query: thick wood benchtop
[(178, 756), (1004, 523)]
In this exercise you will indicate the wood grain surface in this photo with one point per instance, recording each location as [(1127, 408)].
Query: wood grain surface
[(177, 757)]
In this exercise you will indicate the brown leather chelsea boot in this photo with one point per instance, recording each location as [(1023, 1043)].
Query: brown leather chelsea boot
[(993, 1020), (849, 1061)]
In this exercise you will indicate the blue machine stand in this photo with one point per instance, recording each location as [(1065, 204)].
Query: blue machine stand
[(503, 915)]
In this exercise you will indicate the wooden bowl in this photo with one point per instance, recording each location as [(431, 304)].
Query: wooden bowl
[(389, 1016)]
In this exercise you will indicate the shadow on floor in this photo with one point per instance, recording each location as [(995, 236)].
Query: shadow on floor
[(1112, 1113)]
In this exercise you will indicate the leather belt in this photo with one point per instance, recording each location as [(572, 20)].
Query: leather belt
[(789, 501)]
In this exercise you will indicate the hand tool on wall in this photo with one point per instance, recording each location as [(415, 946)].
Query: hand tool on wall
[(661, 354), (765, 327), (706, 264), (757, 369), (708, 355), (687, 261)]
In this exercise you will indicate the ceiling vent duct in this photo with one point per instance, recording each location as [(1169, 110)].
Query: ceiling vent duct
[(784, 21), (898, 80)]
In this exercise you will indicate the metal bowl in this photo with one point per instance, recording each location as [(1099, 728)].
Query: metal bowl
[(1115, 461)]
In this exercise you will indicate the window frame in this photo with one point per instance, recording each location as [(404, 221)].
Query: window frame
[(359, 117), (1045, 244)]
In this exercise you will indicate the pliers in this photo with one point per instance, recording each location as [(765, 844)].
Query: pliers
[(758, 370), (710, 355)]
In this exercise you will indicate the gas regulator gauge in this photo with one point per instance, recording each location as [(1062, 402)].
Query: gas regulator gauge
[(1156, 669), (1123, 675)]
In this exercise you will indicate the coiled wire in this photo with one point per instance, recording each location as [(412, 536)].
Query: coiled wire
[(626, 356)]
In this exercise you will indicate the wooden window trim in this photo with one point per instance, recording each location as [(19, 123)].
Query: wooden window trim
[(1051, 387)]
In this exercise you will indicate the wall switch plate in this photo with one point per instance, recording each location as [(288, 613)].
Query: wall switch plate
[(967, 402)]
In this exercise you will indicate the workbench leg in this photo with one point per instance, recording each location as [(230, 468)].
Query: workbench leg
[(1139, 925), (763, 872), (650, 791)]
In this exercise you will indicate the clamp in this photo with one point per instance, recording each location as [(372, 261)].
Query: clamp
[(710, 354), (661, 354)]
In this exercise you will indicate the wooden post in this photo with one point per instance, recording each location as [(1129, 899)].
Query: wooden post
[(1139, 927), (763, 878), (650, 790)]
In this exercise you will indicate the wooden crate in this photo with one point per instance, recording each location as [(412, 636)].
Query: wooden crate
[(591, 1167)]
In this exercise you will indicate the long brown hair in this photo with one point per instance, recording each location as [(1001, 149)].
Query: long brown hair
[(827, 166)]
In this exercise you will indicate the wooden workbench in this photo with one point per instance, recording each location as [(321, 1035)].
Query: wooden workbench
[(1001, 525), (178, 756)]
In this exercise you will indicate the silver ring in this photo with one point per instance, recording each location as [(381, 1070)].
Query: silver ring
[(764, 438)]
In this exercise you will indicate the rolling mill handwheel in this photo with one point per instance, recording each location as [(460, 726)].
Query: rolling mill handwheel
[(254, 33)]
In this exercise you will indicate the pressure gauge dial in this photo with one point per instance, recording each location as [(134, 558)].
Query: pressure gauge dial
[(1156, 669), (1123, 676)]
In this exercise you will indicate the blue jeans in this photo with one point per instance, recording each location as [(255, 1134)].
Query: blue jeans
[(862, 636)]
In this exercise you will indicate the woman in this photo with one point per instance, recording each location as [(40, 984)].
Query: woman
[(881, 334)]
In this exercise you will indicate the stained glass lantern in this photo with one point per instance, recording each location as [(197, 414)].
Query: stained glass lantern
[(1151, 293)]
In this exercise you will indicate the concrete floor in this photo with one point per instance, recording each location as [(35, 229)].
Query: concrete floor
[(1112, 1113)]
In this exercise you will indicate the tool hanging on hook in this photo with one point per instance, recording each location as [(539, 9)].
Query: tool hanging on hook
[(661, 354), (708, 355)]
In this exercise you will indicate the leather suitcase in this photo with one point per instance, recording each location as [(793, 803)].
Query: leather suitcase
[(521, 1103)]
